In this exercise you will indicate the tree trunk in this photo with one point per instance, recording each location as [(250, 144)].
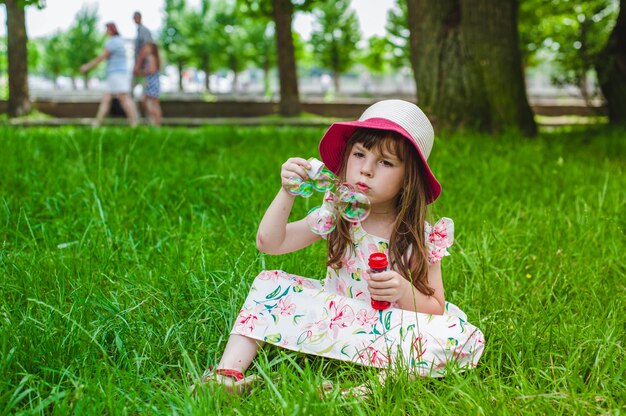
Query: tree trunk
[(180, 76), (336, 76), (467, 64), (611, 69), (19, 100), (267, 89), (235, 86), (206, 67), (289, 97)]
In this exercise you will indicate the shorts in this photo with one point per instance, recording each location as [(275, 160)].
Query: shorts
[(118, 82), (152, 85)]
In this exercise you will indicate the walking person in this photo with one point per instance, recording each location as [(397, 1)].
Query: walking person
[(143, 36), (148, 64), (117, 76)]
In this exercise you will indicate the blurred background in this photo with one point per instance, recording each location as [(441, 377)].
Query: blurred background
[(343, 50)]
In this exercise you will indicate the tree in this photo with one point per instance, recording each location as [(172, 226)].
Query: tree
[(569, 34), (611, 69), (17, 51), (260, 47), (281, 11), (232, 41), (467, 64), (203, 34), (84, 41), (335, 37), (398, 35), (54, 59), (172, 36)]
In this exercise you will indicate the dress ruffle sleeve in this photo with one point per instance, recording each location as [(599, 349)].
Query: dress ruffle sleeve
[(438, 238)]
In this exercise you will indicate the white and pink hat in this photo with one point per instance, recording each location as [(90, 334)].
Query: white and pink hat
[(399, 116)]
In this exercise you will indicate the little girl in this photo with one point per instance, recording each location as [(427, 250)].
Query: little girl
[(150, 67), (383, 155)]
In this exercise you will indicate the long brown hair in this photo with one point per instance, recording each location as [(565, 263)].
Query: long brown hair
[(407, 245)]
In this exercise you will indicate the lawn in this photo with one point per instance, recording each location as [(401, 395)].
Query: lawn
[(125, 255)]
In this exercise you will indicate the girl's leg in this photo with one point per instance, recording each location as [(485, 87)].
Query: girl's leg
[(103, 109), (154, 109), (239, 353), (129, 108)]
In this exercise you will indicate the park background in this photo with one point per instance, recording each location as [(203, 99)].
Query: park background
[(125, 252)]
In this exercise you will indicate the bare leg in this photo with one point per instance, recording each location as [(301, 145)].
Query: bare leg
[(129, 107), (154, 109), (238, 355), (239, 352), (103, 109), (147, 105)]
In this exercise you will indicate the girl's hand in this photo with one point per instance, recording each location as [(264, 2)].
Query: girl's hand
[(294, 167), (386, 286)]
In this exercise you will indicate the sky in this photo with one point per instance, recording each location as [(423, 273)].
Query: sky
[(59, 14)]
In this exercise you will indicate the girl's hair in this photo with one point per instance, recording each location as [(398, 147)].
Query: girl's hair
[(407, 245), (154, 50), (112, 28)]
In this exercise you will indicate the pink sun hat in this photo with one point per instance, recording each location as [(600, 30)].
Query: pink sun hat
[(398, 116)]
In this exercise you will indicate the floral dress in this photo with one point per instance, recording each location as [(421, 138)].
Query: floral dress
[(333, 318)]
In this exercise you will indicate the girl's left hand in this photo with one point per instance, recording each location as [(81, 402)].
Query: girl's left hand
[(386, 286)]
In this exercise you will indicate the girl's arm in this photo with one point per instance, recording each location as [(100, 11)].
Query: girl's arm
[(275, 234), (104, 55), (390, 286)]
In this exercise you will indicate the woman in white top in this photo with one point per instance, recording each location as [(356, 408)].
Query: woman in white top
[(117, 76)]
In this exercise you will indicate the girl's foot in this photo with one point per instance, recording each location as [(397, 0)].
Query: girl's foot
[(233, 381), (360, 391)]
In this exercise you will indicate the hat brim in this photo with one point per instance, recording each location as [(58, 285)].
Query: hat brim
[(333, 145)]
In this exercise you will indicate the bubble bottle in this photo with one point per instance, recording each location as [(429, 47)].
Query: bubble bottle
[(378, 263)]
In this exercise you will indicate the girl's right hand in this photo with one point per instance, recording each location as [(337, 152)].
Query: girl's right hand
[(294, 167)]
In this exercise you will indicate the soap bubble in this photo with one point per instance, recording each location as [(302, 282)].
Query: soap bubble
[(352, 205), (322, 220), (324, 180), (298, 187)]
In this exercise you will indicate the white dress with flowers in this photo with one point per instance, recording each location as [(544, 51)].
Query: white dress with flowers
[(334, 318)]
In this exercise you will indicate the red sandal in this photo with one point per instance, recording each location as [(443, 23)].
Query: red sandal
[(237, 384)]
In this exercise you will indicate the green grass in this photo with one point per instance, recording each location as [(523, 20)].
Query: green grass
[(125, 255)]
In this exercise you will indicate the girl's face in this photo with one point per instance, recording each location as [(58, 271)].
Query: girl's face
[(377, 173)]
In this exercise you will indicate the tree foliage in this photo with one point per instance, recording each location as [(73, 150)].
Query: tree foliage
[(569, 34), (204, 34), (260, 47), (173, 38), (335, 37), (84, 41), (398, 34), (54, 58)]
